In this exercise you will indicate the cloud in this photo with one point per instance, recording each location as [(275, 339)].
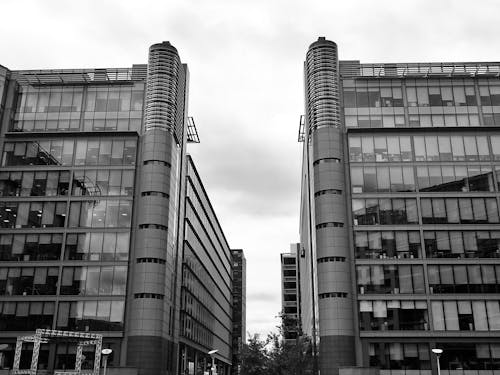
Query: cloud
[(262, 297)]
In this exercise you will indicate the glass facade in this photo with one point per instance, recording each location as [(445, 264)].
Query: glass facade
[(79, 108), (400, 201), (69, 152), (424, 148), (65, 212), (425, 218), (394, 315), (421, 103), (415, 356), (390, 279), (400, 356), (206, 297), (80, 217)]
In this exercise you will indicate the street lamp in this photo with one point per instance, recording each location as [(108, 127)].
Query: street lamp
[(105, 353), (211, 353), (438, 353)]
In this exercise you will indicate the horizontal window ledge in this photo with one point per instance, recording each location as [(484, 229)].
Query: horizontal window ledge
[(157, 162), (149, 296), (331, 259), (418, 129), (428, 261), (330, 225), (327, 160), (432, 297), (153, 226), (154, 194), (151, 260), (328, 192), (65, 263), (60, 134), (429, 334), (333, 295)]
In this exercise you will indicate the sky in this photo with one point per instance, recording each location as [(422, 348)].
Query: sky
[(246, 86)]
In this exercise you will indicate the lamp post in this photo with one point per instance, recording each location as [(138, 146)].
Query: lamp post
[(211, 353), (438, 353), (105, 353)]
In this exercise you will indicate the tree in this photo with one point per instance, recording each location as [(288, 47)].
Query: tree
[(275, 356), (290, 357), (254, 358)]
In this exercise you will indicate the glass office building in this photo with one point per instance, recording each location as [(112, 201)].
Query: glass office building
[(290, 298), (400, 213), (104, 222), (239, 307)]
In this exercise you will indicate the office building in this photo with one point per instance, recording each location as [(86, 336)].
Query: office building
[(206, 319), (104, 223), (399, 213), (290, 299), (239, 307)]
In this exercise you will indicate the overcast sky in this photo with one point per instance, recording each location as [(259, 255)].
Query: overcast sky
[(246, 86)]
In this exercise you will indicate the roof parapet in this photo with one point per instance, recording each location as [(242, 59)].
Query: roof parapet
[(420, 70)]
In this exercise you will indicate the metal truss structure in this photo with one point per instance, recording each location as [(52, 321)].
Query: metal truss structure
[(192, 132), (43, 336), (302, 129)]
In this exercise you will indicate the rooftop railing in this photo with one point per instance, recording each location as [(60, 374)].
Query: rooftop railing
[(81, 76), (445, 69)]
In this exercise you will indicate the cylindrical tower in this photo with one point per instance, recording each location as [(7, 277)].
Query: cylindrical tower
[(153, 269), (335, 314), (161, 87)]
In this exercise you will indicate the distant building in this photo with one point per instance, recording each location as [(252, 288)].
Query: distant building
[(290, 297), (239, 306), (104, 222), (400, 213)]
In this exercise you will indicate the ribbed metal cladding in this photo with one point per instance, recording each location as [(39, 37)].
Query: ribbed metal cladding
[(162, 87), (322, 88)]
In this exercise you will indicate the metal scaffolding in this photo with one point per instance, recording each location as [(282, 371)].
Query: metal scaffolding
[(43, 336)]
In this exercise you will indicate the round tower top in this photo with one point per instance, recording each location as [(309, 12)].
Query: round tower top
[(163, 45), (322, 42)]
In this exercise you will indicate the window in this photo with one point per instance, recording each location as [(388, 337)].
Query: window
[(60, 152), (355, 149), (32, 214), (100, 214), (16, 281), (459, 210), (93, 281), (40, 183), (349, 98), (20, 316), (457, 356), (393, 315), (384, 211), (400, 356), (390, 279), (102, 182), (387, 244), (462, 279), (91, 315), (27, 247), (50, 152), (330, 295)]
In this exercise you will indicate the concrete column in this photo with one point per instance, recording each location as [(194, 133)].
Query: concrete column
[(328, 201), (153, 258)]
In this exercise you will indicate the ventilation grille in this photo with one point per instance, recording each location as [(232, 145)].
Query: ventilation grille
[(162, 88), (322, 86)]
